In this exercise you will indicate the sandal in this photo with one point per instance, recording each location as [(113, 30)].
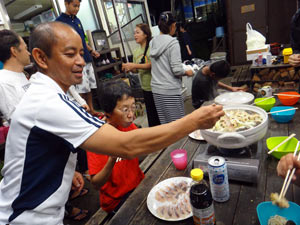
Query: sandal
[(81, 215), (97, 114), (83, 192)]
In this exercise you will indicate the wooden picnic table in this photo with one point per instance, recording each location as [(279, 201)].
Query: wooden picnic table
[(244, 197)]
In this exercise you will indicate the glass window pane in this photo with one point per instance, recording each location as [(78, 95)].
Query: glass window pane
[(136, 9)]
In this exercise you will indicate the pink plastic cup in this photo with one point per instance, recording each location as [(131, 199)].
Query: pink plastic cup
[(179, 158)]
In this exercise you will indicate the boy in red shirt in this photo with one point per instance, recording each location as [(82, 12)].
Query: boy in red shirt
[(115, 177)]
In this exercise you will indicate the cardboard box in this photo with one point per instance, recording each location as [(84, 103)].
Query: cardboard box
[(252, 54)]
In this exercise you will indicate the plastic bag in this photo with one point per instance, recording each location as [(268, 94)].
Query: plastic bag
[(255, 40)]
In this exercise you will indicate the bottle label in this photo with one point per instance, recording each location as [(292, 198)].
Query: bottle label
[(204, 216)]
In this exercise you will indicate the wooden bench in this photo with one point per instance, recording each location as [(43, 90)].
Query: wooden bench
[(241, 75), (102, 217)]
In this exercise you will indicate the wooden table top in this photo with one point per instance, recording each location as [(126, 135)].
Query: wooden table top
[(244, 197)]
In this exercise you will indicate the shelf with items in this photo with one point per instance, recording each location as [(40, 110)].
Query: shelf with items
[(107, 61), (106, 67)]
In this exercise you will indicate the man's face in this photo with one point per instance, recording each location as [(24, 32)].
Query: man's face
[(22, 53), (66, 62), (124, 112), (72, 8)]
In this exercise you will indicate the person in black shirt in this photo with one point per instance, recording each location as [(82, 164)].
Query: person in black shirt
[(204, 86), (185, 44)]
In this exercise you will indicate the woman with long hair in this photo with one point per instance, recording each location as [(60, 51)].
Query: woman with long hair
[(142, 64), (167, 70)]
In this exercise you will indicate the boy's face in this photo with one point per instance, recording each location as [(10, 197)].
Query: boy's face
[(124, 112), (72, 8)]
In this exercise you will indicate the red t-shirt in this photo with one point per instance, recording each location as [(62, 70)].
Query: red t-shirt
[(125, 176)]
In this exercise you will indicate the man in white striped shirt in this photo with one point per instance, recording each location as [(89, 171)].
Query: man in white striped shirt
[(47, 127)]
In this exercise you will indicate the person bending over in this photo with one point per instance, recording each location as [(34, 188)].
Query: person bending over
[(205, 82)]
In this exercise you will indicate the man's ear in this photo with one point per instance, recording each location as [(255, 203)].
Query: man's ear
[(13, 51), (40, 58)]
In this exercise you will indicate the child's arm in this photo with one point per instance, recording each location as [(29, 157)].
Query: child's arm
[(78, 98), (234, 89), (99, 179), (188, 49)]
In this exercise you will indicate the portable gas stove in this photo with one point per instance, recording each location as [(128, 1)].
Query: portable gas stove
[(242, 164)]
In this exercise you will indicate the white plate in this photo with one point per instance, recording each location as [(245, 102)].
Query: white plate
[(234, 98), (196, 135), (153, 204)]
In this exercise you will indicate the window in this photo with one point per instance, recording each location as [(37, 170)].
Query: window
[(126, 12), (204, 8)]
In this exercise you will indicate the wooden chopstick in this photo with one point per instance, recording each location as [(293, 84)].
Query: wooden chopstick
[(273, 149), (284, 110), (288, 95), (288, 177), (262, 100)]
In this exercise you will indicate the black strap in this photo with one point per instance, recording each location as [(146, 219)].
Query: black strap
[(144, 55)]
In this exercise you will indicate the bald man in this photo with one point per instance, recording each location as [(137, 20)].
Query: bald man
[(41, 147)]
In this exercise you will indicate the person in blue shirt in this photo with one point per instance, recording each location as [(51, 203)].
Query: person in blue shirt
[(89, 81)]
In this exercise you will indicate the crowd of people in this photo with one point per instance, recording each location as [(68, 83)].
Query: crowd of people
[(51, 124)]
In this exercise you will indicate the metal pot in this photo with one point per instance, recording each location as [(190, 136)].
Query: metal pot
[(234, 140)]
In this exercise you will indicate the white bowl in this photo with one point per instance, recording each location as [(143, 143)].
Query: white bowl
[(234, 98)]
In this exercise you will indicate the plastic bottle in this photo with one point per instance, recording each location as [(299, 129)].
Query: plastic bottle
[(260, 59), (201, 200)]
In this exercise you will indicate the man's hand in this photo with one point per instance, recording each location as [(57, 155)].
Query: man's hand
[(207, 116), (128, 67), (294, 60), (77, 182), (289, 162), (95, 54)]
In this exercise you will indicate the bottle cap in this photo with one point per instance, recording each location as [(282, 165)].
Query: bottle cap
[(197, 174)]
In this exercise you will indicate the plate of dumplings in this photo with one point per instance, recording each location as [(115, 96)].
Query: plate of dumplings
[(169, 200)]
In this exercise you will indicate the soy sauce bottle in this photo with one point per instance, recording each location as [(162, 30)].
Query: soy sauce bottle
[(201, 200)]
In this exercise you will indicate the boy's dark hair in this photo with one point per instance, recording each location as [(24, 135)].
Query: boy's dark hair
[(220, 68), (8, 39), (69, 1), (166, 19), (111, 92)]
